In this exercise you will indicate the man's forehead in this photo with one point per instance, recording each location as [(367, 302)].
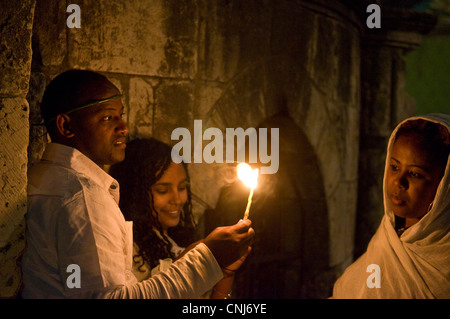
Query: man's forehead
[(113, 103)]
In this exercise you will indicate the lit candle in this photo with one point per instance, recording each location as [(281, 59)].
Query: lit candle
[(250, 178)]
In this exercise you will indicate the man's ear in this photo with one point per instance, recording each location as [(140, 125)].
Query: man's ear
[(64, 126)]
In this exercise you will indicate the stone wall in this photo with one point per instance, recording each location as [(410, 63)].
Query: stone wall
[(230, 64), (225, 62), (16, 22)]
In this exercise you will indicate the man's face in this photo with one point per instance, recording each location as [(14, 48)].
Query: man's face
[(99, 130)]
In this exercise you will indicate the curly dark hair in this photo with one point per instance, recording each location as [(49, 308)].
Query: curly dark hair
[(145, 162)]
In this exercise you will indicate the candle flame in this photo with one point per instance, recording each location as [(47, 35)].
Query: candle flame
[(248, 175)]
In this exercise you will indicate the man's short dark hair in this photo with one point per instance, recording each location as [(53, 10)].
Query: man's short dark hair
[(68, 91)]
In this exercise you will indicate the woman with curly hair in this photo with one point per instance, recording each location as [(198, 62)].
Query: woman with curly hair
[(155, 194)]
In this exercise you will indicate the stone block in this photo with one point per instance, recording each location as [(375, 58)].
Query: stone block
[(137, 37), (323, 67), (346, 68), (242, 103), (13, 143), (181, 43), (174, 105), (376, 92), (11, 250), (16, 22), (38, 133), (206, 96), (233, 35), (292, 25), (50, 32), (140, 110), (13, 182)]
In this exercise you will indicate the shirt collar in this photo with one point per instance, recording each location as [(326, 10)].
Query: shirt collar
[(72, 158)]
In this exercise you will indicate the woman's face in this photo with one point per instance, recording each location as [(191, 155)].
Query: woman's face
[(412, 179), (170, 195)]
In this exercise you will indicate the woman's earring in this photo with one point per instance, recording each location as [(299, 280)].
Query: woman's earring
[(430, 207)]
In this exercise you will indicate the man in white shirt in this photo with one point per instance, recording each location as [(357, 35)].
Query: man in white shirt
[(74, 221)]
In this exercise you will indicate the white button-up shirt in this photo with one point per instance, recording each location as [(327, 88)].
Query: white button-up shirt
[(73, 218)]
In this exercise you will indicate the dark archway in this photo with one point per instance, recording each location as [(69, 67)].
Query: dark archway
[(290, 256)]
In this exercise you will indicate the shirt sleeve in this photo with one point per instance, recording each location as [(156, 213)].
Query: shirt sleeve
[(91, 236), (188, 277)]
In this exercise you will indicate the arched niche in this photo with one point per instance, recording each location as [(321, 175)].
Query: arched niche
[(289, 214)]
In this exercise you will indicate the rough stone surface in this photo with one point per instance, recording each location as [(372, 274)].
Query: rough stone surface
[(136, 37), (140, 108), (13, 182), (38, 133), (16, 21), (174, 108), (50, 27)]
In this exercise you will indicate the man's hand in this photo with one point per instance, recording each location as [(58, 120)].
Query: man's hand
[(230, 243)]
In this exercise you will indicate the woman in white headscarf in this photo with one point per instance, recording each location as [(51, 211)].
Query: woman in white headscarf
[(409, 255)]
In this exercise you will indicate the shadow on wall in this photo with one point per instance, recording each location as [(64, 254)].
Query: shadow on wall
[(290, 256)]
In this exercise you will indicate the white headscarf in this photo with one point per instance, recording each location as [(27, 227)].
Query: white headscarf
[(414, 265)]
